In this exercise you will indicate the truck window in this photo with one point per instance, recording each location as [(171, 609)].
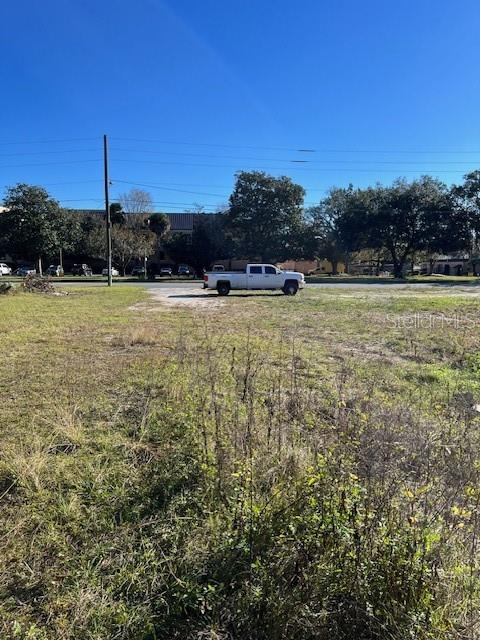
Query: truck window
[(271, 270), (255, 269)]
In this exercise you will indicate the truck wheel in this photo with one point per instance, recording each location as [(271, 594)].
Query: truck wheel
[(223, 288), (290, 288)]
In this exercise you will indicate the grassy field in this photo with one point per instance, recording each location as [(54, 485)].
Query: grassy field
[(267, 468)]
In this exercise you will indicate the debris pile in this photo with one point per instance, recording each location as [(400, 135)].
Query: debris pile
[(38, 284), (5, 287)]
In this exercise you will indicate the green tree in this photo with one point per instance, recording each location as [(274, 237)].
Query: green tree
[(467, 201), (410, 217), (116, 213), (265, 216), (34, 225), (207, 243), (159, 223), (128, 244), (335, 225)]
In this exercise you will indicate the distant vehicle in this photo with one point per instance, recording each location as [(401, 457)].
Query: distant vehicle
[(115, 272), (139, 270), (184, 270), (218, 267), (255, 276), (25, 271), (5, 270), (55, 270), (166, 271), (81, 270)]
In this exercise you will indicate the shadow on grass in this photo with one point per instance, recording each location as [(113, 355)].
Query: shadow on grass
[(204, 296)]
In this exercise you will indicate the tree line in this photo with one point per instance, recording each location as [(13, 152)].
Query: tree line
[(265, 219)]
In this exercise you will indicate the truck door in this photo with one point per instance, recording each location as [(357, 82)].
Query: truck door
[(272, 277), (254, 277)]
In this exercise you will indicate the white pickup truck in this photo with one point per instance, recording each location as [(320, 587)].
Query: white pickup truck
[(255, 276)]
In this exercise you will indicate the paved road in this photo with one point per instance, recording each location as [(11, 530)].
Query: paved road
[(164, 285)]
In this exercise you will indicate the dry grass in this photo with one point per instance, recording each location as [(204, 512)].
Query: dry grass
[(271, 468)]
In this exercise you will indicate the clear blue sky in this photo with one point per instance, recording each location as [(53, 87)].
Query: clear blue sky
[(379, 88)]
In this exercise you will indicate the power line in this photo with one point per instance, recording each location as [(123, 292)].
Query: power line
[(323, 161), (54, 184), (286, 169), (196, 184), (38, 153), (53, 141), (152, 186), (209, 144), (46, 164), (298, 150)]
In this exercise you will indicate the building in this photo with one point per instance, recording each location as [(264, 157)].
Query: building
[(447, 266), (182, 223)]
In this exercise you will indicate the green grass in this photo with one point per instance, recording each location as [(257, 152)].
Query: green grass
[(434, 279), (269, 468)]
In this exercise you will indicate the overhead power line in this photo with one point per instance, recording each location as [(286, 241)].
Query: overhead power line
[(322, 161), (286, 169), (297, 149), (52, 141), (38, 153), (46, 164), (211, 144), (153, 186)]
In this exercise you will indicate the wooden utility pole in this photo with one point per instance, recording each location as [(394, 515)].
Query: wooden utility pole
[(107, 211)]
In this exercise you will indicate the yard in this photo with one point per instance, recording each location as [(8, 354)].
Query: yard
[(268, 467)]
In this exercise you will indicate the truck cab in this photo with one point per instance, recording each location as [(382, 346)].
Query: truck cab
[(255, 277)]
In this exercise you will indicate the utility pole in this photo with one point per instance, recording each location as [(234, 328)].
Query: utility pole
[(107, 211)]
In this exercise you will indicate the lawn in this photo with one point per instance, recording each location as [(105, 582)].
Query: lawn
[(270, 467)]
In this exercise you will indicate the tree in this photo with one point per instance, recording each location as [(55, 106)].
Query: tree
[(207, 243), (410, 217), (467, 202), (34, 225), (265, 216), (332, 223), (116, 213), (127, 244), (159, 223), (137, 205)]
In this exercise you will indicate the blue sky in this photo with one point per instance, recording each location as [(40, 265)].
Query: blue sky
[(190, 91)]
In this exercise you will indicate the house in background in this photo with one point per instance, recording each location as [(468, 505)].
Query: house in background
[(448, 266)]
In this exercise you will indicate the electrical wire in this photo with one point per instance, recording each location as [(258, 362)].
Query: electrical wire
[(299, 150), (54, 141), (323, 161)]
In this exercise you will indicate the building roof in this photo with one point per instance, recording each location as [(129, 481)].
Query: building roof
[(178, 221), (181, 221)]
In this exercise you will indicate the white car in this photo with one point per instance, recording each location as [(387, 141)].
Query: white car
[(115, 272), (255, 276), (5, 270)]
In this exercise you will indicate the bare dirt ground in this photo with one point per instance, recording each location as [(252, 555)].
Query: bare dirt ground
[(206, 300), (182, 297)]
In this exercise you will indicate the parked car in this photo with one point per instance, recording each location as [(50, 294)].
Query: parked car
[(5, 270), (115, 272), (55, 270), (81, 270), (184, 270), (255, 276), (166, 271), (24, 271), (139, 270), (218, 267)]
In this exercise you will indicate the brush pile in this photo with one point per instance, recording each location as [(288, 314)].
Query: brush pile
[(38, 284)]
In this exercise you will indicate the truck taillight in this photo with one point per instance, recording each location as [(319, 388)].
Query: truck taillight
[(205, 278)]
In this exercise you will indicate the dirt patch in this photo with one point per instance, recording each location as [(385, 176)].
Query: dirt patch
[(181, 297)]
